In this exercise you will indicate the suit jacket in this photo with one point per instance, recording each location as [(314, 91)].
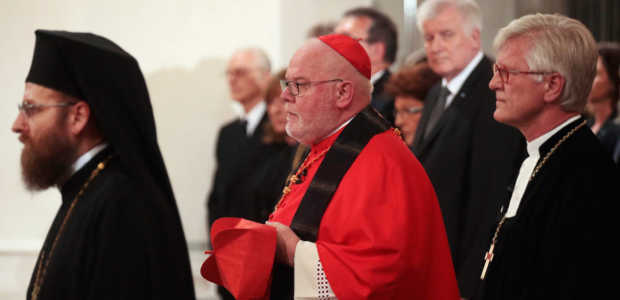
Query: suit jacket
[(472, 161), (550, 249), (236, 156), (382, 101)]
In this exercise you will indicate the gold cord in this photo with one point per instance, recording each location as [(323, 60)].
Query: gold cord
[(42, 269), (489, 254), (292, 179)]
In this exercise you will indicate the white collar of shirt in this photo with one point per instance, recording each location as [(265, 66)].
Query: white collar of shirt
[(457, 82), (254, 116), (534, 145), (528, 165), (376, 76), (86, 157)]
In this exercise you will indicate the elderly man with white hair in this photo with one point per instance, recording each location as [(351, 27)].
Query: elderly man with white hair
[(469, 157), (559, 218)]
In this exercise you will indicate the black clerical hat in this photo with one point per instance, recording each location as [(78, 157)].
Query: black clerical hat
[(94, 69)]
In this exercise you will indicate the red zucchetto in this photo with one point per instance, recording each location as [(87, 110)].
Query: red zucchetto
[(350, 49)]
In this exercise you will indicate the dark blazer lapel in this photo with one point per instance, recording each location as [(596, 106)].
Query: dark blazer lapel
[(446, 118), (379, 85), (468, 88), (419, 144), (258, 132)]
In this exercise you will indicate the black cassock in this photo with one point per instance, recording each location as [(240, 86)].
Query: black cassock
[(123, 240), (560, 245)]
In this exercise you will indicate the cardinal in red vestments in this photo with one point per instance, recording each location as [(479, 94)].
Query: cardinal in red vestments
[(359, 219)]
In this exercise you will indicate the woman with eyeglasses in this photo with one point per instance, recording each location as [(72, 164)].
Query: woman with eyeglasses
[(409, 87)]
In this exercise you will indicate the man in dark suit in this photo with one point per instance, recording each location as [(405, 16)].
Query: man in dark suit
[(239, 144), (377, 34), (562, 206), (469, 157)]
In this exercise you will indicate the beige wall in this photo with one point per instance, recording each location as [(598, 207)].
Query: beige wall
[(182, 47)]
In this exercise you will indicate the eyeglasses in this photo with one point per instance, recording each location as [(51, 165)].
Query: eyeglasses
[(238, 72), (504, 74), (293, 86), (29, 109), (408, 111)]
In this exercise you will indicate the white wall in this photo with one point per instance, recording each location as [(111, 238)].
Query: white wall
[(182, 47)]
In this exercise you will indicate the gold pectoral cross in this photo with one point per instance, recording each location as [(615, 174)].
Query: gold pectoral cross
[(488, 257)]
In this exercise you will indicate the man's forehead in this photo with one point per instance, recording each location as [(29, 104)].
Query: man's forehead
[(33, 91), (354, 25), (308, 59), (513, 51), (242, 59), (446, 17)]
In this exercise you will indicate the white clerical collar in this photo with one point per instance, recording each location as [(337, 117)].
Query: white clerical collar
[(534, 145), (254, 116), (527, 167), (86, 157), (457, 82), (376, 76)]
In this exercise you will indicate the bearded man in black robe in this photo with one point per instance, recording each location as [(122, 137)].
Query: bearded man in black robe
[(87, 127), (554, 238)]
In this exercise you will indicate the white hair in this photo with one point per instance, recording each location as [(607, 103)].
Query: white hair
[(557, 44), (260, 58), (469, 9)]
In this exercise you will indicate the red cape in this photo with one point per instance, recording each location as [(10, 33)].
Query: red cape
[(382, 236)]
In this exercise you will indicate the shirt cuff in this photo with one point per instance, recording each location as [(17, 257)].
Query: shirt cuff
[(310, 279)]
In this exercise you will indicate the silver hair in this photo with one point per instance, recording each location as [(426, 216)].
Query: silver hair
[(469, 9), (557, 44), (261, 58)]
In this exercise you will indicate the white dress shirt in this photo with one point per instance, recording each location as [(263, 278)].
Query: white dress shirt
[(528, 165), (457, 82)]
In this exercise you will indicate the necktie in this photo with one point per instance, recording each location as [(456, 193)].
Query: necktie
[(243, 125), (437, 110)]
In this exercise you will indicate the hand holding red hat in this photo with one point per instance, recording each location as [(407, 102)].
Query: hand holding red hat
[(286, 243)]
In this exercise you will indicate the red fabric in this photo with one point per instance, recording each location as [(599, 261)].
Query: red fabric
[(242, 257), (350, 49), (382, 236)]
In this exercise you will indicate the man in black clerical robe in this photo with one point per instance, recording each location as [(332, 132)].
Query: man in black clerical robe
[(554, 239), (87, 127)]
